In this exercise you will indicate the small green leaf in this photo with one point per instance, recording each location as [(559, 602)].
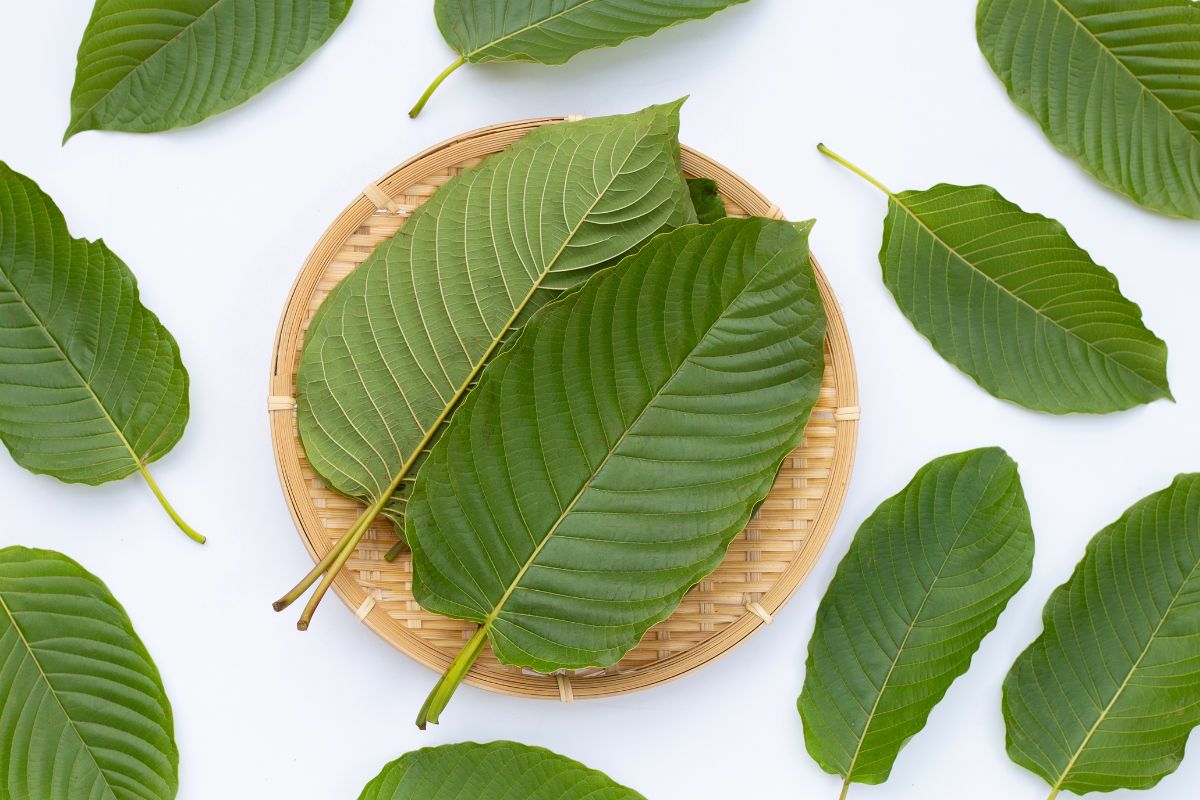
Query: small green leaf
[(92, 387), (495, 771), (567, 522), (1010, 299), (926, 578), (83, 712), (1106, 697), (1115, 84), (148, 65), (400, 341), (551, 32), (706, 199)]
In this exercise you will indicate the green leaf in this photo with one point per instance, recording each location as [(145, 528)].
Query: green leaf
[(1115, 84), (552, 31), (83, 713), (606, 460), (706, 199), (148, 65), (496, 771), (925, 580), (1010, 299), (400, 341), (1107, 695), (91, 384)]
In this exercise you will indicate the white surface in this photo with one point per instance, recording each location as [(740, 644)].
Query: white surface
[(216, 221)]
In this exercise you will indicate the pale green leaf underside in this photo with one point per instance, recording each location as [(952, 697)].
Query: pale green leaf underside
[(150, 65), (1010, 299), (91, 383), (1114, 83), (607, 459), (495, 771), (83, 713), (1106, 697), (553, 31), (399, 342), (926, 578), (706, 199)]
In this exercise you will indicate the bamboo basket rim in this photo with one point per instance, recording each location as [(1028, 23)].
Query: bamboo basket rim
[(376, 198)]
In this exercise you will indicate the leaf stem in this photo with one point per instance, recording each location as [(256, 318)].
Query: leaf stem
[(436, 703), (433, 86), (855, 169), (1053, 794), (162, 499), (397, 549), (845, 789), (328, 566)]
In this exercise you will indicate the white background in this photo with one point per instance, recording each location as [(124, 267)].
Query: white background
[(216, 221)]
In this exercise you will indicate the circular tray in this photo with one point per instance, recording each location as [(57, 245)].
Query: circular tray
[(764, 566)]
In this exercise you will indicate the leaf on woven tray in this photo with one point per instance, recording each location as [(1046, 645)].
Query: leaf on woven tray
[(494, 771), (1115, 84), (706, 199), (567, 522), (551, 32), (146, 65), (1107, 696), (1011, 300), (83, 712), (925, 580), (398, 343), (92, 388)]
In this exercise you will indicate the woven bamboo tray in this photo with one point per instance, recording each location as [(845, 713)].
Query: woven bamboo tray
[(765, 563)]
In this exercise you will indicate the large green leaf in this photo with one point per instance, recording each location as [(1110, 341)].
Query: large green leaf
[(606, 461), (495, 771), (552, 31), (149, 65), (83, 713), (1107, 695), (1114, 83), (91, 384), (925, 580), (1010, 299), (401, 340)]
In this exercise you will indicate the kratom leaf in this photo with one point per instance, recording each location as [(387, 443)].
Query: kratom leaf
[(495, 771), (552, 31), (706, 200), (92, 388), (83, 713), (1010, 299), (398, 343), (1114, 83), (1107, 695), (608, 458), (149, 65), (925, 580)]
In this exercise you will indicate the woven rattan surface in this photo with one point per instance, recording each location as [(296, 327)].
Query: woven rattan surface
[(765, 563)]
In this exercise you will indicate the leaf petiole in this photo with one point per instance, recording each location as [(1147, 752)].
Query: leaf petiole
[(845, 789), (162, 499), (446, 73), (855, 169), (436, 703)]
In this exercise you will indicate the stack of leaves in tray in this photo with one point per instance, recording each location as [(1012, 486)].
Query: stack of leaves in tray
[(568, 416)]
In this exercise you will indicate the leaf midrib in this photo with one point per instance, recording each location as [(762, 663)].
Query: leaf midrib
[(1066, 773), (45, 328), (540, 23), (377, 508), (175, 39), (54, 693), (908, 634), (1174, 115), (1107, 357), (650, 401)]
